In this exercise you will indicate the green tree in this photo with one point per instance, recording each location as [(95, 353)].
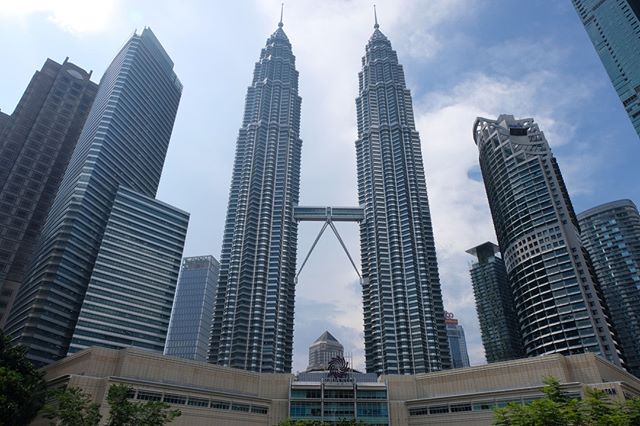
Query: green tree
[(22, 387), (124, 412), (557, 409), (72, 407)]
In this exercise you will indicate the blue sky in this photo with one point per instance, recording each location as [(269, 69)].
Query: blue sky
[(462, 59)]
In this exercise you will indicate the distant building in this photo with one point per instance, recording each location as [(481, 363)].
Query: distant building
[(457, 342), (557, 298), (36, 143), (611, 234), (495, 305), (105, 269), (323, 350), (192, 313), (614, 30)]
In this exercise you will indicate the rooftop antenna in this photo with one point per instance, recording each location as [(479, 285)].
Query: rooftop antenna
[(375, 16), (280, 24)]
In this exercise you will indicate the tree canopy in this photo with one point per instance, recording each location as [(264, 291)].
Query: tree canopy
[(22, 387), (557, 409)]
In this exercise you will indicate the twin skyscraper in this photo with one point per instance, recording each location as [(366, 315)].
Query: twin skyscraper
[(404, 319)]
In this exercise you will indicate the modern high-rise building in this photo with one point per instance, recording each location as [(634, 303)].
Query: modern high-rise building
[(109, 185), (611, 234), (36, 143), (495, 306), (614, 29), (132, 286), (192, 312), (324, 349), (457, 342), (557, 298), (253, 314), (404, 328)]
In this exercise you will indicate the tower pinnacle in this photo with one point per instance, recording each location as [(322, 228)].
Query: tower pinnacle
[(280, 24), (375, 17)]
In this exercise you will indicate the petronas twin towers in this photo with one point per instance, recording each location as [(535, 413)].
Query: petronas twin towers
[(403, 310)]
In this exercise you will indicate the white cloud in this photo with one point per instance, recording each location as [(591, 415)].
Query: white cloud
[(74, 16)]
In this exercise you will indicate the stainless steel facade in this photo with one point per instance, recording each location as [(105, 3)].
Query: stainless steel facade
[(557, 297), (192, 312), (404, 328), (36, 143), (611, 234), (614, 29), (122, 145), (495, 305), (253, 314)]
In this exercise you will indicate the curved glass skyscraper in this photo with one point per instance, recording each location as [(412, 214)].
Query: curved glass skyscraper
[(404, 329), (123, 144), (557, 298), (611, 234), (253, 316)]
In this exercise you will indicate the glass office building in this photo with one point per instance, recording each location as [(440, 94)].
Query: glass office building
[(132, 286), (192, 313), (557, 297), (404, 328), (36, 143), (457, 342), (611, 234), (122, 147), (253, 315), (614, 29), (495, 306)]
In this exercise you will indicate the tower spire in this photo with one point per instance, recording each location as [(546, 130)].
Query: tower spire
[(280, 24), (375, 17)]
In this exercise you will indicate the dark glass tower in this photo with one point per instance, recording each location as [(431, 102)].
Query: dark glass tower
[(557, 297), (192, 312), (495, 305), (611, 234), (253, 315), (404, 328), (457, 342), (122, 145), (36, 143), (614, 29)]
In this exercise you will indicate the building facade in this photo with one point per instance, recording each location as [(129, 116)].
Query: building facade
[(558, 301), (404, 328), (122, 147), (322, 350), (495, 306), (192, 312), (36, 143), (209, 394), (131, 290), (457, 342), (614, 29), (611, 234), (253, 315)]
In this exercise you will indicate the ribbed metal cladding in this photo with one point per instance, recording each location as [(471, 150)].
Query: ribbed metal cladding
[(404, 327), (611, 234), (557, 297), (253, 315), (123, 143)]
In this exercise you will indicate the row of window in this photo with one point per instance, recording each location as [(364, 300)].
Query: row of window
[(178, 399)]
